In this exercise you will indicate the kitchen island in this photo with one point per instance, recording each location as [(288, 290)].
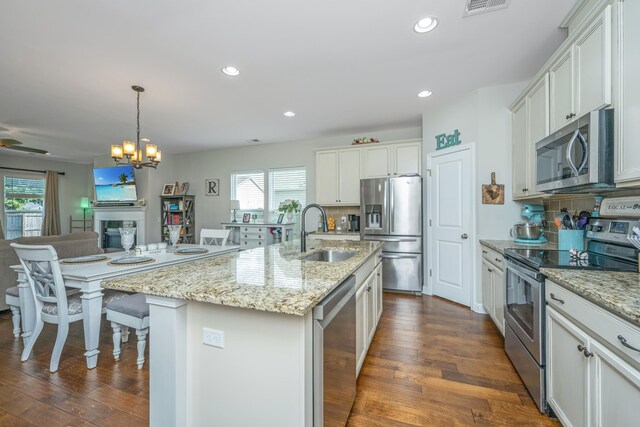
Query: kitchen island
[(262, 301)]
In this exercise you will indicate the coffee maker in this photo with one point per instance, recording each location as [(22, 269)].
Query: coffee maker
[(354, 222)]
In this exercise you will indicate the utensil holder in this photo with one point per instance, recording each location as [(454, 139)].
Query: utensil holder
[(571, 239)]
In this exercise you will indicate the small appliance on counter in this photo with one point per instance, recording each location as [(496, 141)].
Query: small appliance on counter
[(354, 222), (532, 231)]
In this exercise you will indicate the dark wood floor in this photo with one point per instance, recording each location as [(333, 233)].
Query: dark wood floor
[(435, 363), (431, 363)]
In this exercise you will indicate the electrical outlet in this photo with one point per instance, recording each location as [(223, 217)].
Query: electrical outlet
[(212, 337)]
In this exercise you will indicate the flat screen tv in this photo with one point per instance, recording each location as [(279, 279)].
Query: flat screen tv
[(116, 184)]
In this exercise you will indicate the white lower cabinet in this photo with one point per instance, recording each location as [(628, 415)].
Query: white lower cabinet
[(493, 286), (592, 380), (567, 371), (368, 312)]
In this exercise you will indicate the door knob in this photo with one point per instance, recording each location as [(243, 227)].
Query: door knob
[(465, 236)]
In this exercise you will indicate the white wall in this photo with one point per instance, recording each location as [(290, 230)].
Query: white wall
[(73, 185), (482, 117)]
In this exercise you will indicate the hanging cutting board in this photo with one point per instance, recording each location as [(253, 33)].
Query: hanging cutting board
[(493, 194)]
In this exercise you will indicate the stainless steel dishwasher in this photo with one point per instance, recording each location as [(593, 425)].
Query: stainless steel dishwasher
[(334, 356)]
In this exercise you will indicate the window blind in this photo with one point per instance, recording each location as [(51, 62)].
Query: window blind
[(289, 183)]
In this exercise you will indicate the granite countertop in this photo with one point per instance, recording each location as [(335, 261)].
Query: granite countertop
[(615, 291), (336, 233), (273, 278), (501, 245)]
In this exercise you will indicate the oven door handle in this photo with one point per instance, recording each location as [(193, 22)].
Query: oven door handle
[(534, 275)]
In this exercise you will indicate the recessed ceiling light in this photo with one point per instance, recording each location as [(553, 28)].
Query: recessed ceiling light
[(424, 93), (231, 71), (255, 140), (289, 114), (145, 140), (426, 24)]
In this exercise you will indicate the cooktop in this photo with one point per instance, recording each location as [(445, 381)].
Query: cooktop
[(547, 258)]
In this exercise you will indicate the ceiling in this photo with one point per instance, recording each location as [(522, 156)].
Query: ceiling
[(341, 66)]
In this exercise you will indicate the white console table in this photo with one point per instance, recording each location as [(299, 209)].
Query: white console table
[(253, 235)]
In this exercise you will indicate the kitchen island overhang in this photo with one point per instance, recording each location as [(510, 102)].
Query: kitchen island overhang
[(262, 301)]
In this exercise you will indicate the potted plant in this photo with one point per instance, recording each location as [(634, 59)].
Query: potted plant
[(289, 207)]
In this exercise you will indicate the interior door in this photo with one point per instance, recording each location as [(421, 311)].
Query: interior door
[(450, 210)]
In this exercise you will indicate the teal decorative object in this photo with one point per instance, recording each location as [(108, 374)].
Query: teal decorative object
[(444, 141)]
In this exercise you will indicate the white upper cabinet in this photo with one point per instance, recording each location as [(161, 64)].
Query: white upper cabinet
[(519, 128), (349, 176), (580, 79), (327, 177), (377, 161), (339, 170), (407, 158), (393, 159), (537, 127), (628, 88), (561, 88), (338, 177), (592, 57)]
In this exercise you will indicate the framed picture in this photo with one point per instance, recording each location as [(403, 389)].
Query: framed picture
[(246, 217), (168, 189), (184, 187), (212, 187), (280, 218)]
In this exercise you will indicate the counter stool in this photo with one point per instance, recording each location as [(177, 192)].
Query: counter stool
[(131, 311), (12, 299)]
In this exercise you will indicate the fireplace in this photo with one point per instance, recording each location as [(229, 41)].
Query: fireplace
[(107, 220)]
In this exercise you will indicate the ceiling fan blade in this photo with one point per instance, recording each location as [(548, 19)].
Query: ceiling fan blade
[(25, 149), (9, 142)]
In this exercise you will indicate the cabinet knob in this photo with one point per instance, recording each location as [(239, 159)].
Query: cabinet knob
[(584, 351), (484, 252), (490, 270), (498, 260), (369, 289)]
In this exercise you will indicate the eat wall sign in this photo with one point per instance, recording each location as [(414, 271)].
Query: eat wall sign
[(444, 141)]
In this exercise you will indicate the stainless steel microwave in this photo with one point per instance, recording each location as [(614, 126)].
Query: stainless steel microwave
[(578, 157)]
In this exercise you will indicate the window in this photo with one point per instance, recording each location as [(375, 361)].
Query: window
[(289, 183), (23, 206), (248, 187)]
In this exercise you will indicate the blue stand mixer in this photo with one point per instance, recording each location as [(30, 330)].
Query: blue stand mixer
[(531, 232)]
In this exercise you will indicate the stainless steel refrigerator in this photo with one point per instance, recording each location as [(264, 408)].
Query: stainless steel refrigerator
[(391, 211)]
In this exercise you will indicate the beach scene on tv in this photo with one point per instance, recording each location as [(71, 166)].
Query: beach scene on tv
[(115, 184)]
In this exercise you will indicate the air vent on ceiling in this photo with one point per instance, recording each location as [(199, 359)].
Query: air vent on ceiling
[(474, 7)]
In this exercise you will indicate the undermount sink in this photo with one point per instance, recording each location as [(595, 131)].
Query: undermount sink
[(329, 256)]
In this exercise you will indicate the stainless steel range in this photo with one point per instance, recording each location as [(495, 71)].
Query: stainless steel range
[(607, 250)]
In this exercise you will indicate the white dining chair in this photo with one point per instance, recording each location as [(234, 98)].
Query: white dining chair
[(12, 299), (131, 311), (53, 302), (209, 236)]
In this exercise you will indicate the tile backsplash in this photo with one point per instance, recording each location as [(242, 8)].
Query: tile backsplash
[(574, 204), (338, 212)]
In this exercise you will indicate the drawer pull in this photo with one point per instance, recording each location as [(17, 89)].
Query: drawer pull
[(498, 260), (623, 341), (553, 297), (490, 270), (484, 252), (369, 289)]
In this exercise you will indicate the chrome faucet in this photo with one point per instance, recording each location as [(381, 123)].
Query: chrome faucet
[(303, 231)]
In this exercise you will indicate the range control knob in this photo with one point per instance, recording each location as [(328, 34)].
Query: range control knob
[(597, 228)]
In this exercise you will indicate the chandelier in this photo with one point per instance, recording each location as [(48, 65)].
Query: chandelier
[(130, 153)]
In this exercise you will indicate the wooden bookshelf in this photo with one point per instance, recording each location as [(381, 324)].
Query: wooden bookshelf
[(178, 210)]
